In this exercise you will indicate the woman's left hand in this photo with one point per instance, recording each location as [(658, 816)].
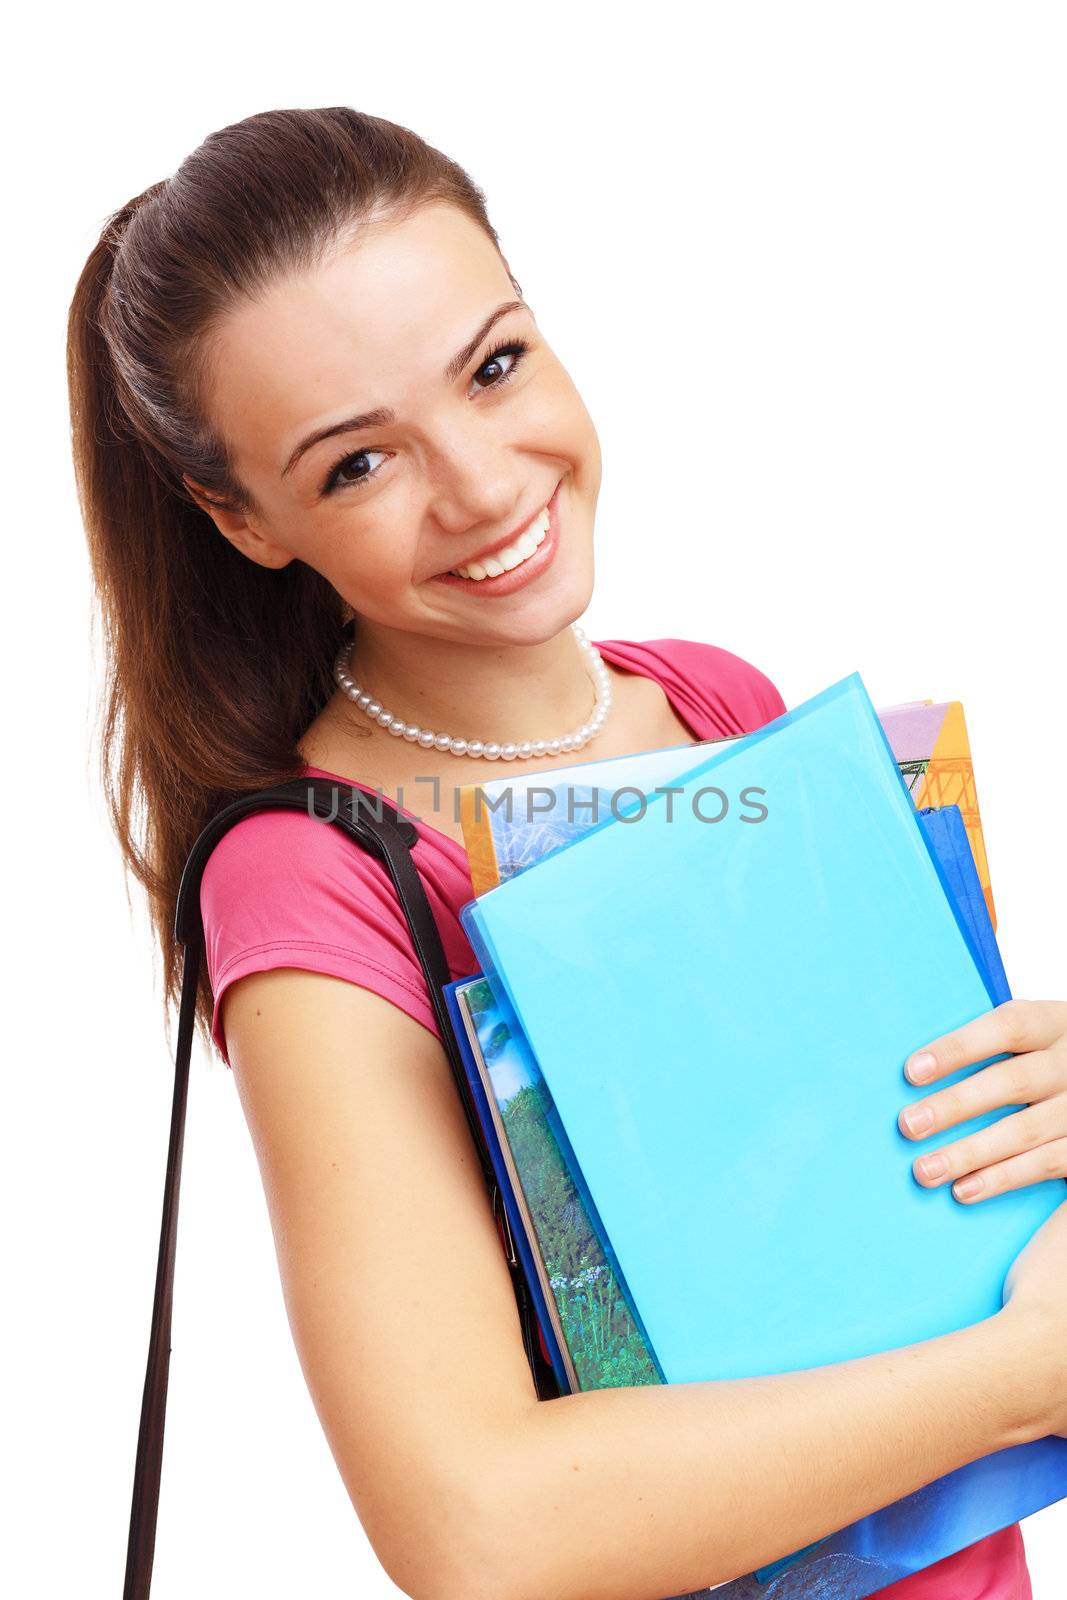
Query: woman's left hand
[(1028, 1146)]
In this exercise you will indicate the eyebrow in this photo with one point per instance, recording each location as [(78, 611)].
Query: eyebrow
[(382, 416)]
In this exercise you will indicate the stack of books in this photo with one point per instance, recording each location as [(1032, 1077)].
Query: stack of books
[(702, 970)]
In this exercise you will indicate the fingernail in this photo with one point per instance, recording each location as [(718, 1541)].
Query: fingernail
[(934, 1166), (966, 1187), (920, 1067), (917, 1119)]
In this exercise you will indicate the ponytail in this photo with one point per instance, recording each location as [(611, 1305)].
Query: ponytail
[(214, 665)]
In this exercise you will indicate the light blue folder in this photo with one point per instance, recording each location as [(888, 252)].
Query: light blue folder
[(741, 1145), (808, 954)]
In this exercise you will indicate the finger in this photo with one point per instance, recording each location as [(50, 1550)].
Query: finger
[(1016, 1081), (1033, 1166), (1002, 1140), (1014, 1025)]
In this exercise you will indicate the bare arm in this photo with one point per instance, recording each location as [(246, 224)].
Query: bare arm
[(692, 1484), (404, 1320)]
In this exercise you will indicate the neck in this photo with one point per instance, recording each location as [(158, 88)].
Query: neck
[(506, 692)]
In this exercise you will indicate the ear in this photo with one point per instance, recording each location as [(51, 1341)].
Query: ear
[(239, 530)]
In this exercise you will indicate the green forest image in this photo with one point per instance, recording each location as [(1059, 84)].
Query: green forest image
[(604, 1340)]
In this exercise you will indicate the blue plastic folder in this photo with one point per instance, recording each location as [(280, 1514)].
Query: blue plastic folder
[(551, 1220), (740, 1142), (946, 833)]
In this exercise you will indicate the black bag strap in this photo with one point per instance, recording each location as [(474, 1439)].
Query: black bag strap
[(377, 827)]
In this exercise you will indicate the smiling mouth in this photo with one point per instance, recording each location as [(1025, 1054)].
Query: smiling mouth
[(512, 555)]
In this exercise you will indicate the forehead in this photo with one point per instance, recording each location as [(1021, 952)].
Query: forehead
[(372, 325)]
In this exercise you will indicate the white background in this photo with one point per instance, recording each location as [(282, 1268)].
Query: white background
[(807, 265)]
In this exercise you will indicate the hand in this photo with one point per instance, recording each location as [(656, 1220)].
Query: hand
[(1028, 1146)]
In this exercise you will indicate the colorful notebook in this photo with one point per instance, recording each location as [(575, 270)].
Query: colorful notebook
[(828, 920), (931, 746)]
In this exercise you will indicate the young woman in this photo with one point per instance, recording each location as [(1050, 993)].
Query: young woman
[(316, 426)]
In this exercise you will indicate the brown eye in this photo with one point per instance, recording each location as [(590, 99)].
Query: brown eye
[(338, 478), (494, 364)]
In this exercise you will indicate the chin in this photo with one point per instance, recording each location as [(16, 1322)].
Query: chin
[(543, 617)]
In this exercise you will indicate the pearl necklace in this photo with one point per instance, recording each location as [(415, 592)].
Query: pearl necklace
[(487, 750)]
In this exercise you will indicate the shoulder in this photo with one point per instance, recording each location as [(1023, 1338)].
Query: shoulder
[(283, 889), (735, 694), (276, 861), (285, 876), (720, 668)]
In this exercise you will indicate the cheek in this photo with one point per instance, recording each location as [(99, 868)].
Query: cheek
[(369, 553)]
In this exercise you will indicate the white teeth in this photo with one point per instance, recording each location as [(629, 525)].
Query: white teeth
[(512, 555)]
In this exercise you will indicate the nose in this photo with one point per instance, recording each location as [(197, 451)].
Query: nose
[(477, 484)]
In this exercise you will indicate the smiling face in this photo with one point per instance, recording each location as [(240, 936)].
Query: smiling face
[(472, 436)]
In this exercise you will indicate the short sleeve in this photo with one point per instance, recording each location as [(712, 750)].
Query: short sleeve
[(283, 889)]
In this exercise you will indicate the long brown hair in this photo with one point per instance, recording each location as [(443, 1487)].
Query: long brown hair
[(214, 665)]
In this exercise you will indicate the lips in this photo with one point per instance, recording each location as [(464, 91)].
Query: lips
[(507, 540), (501, 544), (524, 571)]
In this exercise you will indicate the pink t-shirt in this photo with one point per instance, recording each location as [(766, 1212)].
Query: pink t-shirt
[(282, 890)]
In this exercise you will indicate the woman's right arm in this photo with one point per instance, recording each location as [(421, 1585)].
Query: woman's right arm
[(404, 1320)]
